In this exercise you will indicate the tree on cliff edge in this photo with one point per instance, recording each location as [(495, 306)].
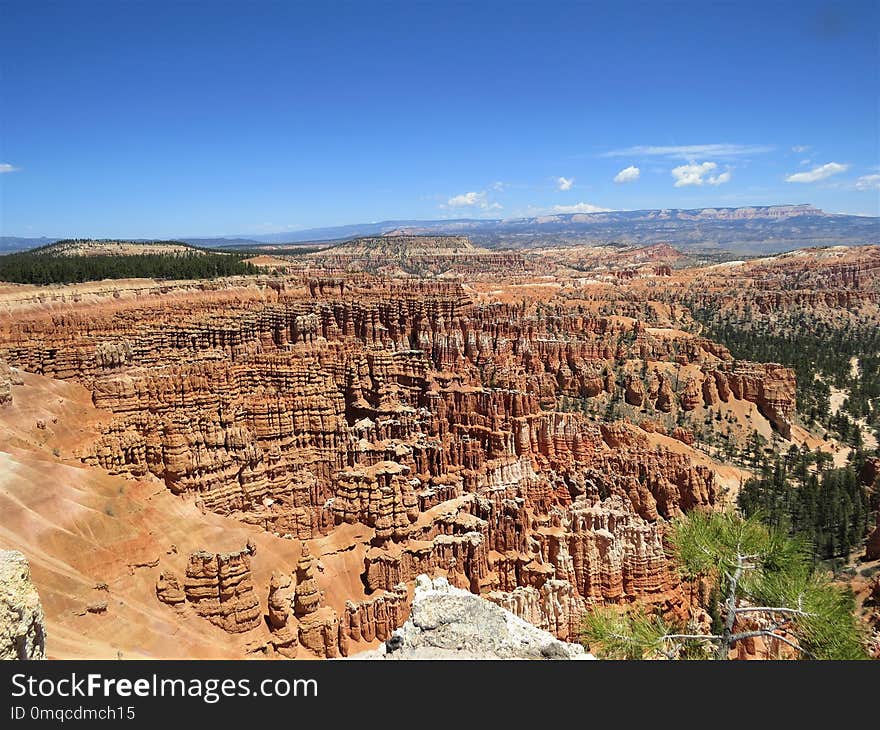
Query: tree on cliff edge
[(762, 585)]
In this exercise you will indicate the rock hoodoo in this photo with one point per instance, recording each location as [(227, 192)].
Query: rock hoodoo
[(220, 588), (371, 426)]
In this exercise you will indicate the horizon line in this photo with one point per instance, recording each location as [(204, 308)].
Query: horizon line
[(248, 236)]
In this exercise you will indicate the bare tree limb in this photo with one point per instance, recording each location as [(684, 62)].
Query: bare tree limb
[(724, 646), (696, 637), (751, 634), (793, 645), (771, 609), (771, 633)]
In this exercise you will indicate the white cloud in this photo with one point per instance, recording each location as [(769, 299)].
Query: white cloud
[(689, 152), (6, 167), (499, 186), (564, 183), (800, 148), (696, 174), (817, 173), (473, 200), (627, 174), (805, 162), (868, 182), (466, 199), (580, 208)]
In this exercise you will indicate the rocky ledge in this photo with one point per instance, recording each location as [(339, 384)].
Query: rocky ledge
[(450, 623), (22, 629)]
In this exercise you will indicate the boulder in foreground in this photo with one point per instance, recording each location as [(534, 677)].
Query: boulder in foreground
[(22, 629), (451, 623)]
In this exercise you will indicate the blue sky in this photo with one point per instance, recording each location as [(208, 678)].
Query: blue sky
[(175, 119)]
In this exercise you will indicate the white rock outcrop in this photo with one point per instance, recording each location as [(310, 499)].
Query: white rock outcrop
[(450, 623), (22, 626)]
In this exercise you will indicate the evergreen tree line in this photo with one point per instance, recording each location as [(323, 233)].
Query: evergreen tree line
[(799, 494), (40, 267)]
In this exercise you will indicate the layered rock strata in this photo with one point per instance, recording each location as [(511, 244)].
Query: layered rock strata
[(220, 588), (431, 419)]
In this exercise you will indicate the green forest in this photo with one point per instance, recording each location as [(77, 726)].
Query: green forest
[(820, 354), (46, 266), (801, 494)]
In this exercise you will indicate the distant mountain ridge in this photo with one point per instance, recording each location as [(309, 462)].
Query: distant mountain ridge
[(485, 225), (748, 230)]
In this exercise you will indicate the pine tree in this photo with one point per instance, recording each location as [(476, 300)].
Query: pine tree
[(763, 585)]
